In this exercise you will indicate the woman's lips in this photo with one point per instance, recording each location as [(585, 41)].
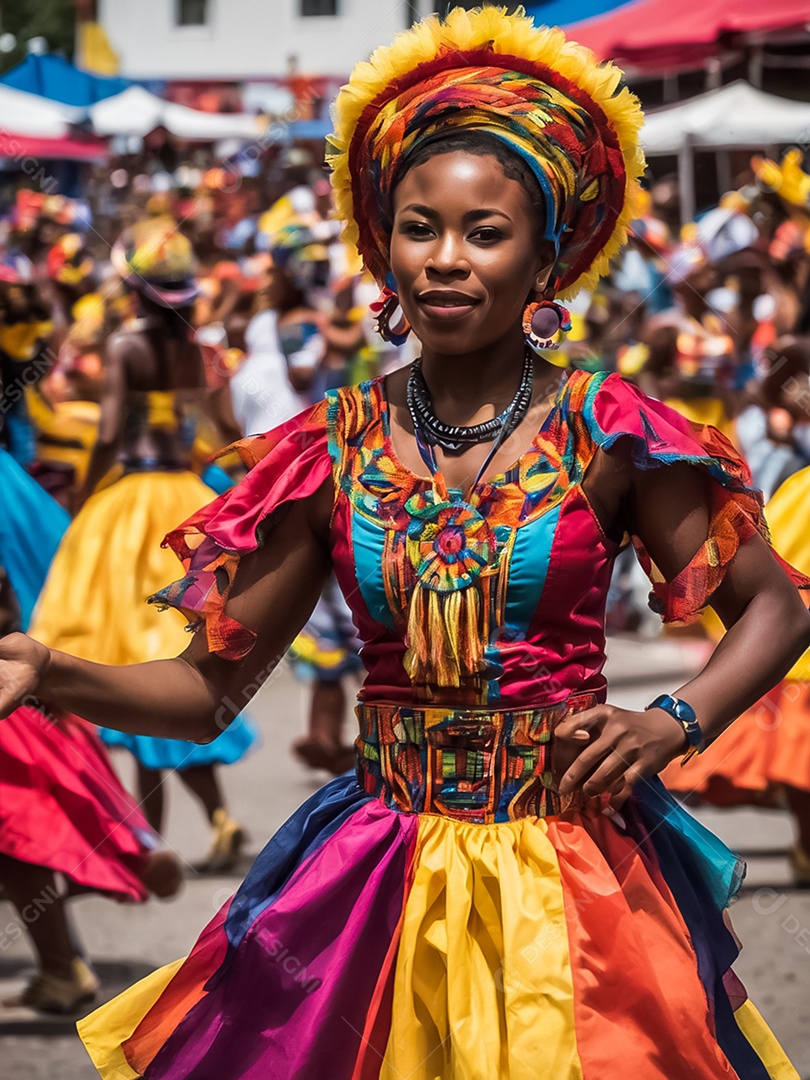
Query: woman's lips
[(446, 307)]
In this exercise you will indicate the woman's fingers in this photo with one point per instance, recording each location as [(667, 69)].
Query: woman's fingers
[(609, 774), (586, 720), (584, 762)]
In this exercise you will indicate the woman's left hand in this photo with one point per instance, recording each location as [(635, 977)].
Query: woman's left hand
[(622, 748)]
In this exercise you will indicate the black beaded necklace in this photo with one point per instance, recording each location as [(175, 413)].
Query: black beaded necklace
[(453, 438)]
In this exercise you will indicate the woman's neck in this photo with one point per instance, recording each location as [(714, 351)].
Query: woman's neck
[(471, 387)]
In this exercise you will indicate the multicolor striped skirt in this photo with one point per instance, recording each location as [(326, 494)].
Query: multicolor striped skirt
[(440, 914)]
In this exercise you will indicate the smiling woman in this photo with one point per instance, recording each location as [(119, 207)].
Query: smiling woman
[(502, 888)]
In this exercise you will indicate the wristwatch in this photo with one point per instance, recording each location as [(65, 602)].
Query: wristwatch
[(683, 712)]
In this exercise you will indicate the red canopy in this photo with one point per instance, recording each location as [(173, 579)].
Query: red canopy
[(658, 33), (66, 149)]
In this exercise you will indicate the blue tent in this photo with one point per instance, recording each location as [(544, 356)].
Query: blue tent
[(53, 77), (568, 14)]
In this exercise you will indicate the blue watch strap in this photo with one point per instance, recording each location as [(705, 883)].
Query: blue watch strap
[(683, 712)]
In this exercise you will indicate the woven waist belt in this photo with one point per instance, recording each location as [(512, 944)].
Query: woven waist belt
[(472, 765)]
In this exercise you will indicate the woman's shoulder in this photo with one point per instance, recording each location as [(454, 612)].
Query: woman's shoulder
[(350, 410), (611, 407)]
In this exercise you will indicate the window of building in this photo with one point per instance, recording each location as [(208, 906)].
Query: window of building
[(191, 13), (319, 7)]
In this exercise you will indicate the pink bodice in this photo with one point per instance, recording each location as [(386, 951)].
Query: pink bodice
[(497, 600)]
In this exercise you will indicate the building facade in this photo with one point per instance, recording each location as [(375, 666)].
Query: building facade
[(243, 40)]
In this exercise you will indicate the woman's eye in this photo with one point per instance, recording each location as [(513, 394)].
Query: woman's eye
[(417, 229), (488, 234)]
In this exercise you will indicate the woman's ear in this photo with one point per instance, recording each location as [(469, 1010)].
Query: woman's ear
[(545, 273), (541, 282)]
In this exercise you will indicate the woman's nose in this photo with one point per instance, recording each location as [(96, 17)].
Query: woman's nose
[(448, 256)]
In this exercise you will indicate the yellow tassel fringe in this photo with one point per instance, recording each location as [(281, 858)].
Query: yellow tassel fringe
[(444, 639)]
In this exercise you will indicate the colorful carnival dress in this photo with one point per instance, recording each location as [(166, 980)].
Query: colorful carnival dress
[(93, 604), (442, 913)]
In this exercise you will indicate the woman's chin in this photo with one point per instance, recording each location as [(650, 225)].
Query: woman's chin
[(456, 339)]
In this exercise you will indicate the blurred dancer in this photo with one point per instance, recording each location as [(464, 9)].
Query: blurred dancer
[(287, 341), (25, 329), (67, 826), (111, 560), (773, 431), (62, 808)]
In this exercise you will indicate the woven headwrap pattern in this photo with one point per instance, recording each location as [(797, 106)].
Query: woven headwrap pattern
[(545, 97)]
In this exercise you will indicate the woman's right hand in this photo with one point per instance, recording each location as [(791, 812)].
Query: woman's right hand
[(23, 662)]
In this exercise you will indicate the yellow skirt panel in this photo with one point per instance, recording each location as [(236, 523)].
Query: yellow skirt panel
[(460, 1012)]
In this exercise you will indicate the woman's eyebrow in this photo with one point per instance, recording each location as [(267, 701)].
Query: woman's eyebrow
[(485, 212), (418, 208), (471, 215)]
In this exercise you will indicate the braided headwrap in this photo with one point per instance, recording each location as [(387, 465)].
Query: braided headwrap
[(545, 97)]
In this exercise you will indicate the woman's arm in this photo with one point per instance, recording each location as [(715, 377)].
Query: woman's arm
[(196, 695), (768, 629), (768, 626)]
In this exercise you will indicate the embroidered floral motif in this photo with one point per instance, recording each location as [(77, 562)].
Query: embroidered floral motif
[(449, 543)]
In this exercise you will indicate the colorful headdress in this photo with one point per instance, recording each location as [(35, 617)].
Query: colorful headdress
[(155, 258), (68, 260), (547, 98)]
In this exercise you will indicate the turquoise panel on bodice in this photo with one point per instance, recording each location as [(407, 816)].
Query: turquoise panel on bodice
[(528, 570), (368, 544), (527, 573)]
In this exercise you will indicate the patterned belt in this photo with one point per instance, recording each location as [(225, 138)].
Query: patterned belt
[(472, 765)]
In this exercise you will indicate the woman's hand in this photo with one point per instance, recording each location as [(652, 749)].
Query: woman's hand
[(23, 662), (605, 749)]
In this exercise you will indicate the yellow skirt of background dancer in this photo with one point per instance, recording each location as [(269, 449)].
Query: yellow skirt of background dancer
[(110, 560), (705, 410)]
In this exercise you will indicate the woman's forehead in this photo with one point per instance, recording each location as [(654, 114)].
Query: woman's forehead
[(456, 179)]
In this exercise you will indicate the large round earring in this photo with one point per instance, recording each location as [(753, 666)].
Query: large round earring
[(391, 323), (542, 320)]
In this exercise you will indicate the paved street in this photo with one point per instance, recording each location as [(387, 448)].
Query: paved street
[(771, 918)]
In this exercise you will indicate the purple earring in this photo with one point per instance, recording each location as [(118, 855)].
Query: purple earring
[(542, 320), (392, 325)]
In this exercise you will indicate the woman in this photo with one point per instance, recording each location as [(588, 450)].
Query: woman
[(464, 906), (32, 523), (262, 393), (110, 561), (25, 329)]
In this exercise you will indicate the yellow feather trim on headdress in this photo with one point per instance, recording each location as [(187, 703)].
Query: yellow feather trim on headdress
[(514, 35)]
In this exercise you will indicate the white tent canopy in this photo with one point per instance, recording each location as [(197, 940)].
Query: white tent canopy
[(734, 116), (133, 112), (137, 112), (34, 116)]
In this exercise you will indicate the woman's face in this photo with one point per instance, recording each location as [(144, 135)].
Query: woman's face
[(464, 252)]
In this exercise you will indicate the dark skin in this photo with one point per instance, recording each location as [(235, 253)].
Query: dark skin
[(472, 363), (132, 369)]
